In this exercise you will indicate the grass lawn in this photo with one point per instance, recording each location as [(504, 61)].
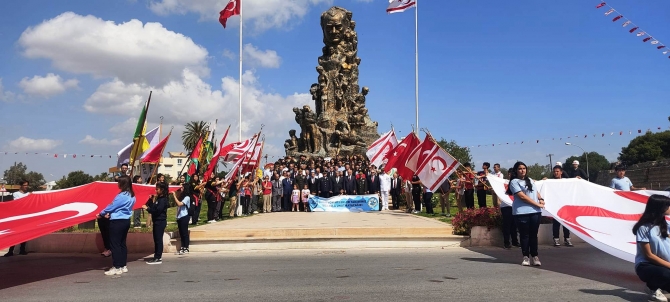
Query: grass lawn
[(454, 209)]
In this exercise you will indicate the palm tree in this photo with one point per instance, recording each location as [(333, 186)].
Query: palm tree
[(194, 130)]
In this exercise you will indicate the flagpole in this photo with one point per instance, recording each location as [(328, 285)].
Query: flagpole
[(416, 62), (240, 93)]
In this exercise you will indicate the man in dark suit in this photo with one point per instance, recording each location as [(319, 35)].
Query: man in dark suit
[(350, 183), (313, 184), (361, 184), (287, 184), (396, 190), (325, 187), (338, 183), (373, 183)]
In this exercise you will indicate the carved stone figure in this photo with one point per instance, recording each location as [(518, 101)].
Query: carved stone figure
[(291, 144), (339, 124)]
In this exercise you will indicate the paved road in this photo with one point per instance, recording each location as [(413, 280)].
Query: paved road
[(454, 274)]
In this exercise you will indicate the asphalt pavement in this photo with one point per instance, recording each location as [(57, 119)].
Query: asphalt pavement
[(451, 274)]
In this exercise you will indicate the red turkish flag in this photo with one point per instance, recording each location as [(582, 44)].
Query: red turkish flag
[(398, 156), (221, 151), (44, 212), (232, 9), (420, 154)]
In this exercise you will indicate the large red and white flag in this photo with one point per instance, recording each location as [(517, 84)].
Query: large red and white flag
[(221, 151), (436, 167), (239, 149), (231, 9), (399, 155), (399, 6), (378, 150)]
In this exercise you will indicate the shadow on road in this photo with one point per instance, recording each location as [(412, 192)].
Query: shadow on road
[(19, 270), (583, 261)]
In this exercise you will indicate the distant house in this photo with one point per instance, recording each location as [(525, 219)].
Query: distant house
[(173, 164)]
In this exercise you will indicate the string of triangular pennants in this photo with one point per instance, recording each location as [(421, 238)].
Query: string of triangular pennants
[(56, 155), (632, 27), (561, 138)]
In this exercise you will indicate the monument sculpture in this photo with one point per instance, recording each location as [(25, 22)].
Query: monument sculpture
[(339, 124)]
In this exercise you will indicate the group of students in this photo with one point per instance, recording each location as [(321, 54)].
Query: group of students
[(114, 221)]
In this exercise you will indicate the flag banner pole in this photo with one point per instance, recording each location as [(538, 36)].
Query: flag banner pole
[(416, 61), (240, 93)]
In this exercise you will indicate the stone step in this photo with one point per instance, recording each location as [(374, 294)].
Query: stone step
[(316, 233)]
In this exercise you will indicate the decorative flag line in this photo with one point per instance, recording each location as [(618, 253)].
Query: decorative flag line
[(634, 28), (57, 155), (537, 141)]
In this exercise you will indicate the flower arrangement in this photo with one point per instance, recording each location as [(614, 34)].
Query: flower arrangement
[(487, 217)]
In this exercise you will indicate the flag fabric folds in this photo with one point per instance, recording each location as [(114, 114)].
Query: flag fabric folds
[(154, 155), (399, 6), (377, 151), (140, 142), (431, 163), (399, 155), (231, 9), (221, 151)]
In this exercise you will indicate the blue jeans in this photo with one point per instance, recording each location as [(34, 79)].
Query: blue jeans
[(528, 225)]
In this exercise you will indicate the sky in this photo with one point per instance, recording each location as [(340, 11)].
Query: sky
[(75, 74)]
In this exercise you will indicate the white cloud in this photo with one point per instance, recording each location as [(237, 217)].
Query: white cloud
[(257, 57), (90, 140), (228, 54), (47, 86), (262, 14), (130, 51), (192, 99), (6, 96), (24, 144), (125, 128)]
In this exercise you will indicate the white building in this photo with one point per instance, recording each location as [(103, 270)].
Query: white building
[(173, 164)]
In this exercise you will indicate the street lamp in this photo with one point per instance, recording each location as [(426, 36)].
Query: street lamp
[(588, 176)]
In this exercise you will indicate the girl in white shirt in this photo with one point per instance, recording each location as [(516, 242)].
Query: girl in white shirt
[(295, 198), (305, 196)]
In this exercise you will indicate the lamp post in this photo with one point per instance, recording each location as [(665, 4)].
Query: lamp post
[(588, 176)]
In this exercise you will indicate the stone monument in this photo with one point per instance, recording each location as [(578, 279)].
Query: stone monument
[(339, 123)]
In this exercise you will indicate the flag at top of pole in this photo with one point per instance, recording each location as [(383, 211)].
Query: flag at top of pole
[(231, 9), (399, 6)]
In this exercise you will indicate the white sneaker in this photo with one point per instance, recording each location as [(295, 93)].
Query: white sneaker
[(536, 261), (526, 261), (557, 242), (113, 271), (655, 296), (124, 269), (255, 212), (568, 242), (211, 221)]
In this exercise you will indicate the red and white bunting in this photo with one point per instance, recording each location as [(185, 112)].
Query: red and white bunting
[(635, 28), (382, 146), (56, 155)]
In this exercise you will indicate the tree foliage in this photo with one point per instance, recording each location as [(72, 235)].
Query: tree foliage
[(194, 130), (537, 171), (104, 176), (19, 171), (462, 154), (596, 162), (73, 179), (648, 147)]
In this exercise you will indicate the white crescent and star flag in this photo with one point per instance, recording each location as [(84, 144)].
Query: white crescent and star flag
[(399, 6), (378, 150), (431, 163)]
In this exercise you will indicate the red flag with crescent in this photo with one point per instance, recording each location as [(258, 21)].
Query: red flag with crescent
[(399, 155), (380, 148), (436, 164), (231, 9)]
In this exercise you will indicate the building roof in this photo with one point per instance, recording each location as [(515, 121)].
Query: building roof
[(177, 154)]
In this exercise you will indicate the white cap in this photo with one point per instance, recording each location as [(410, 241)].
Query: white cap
[(575, 162), (558, 163)]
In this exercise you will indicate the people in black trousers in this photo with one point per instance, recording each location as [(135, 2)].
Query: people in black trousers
[(157, 207), (287, 184), (428, 201), (119, 212), (103, 225), (416, 193), (325, 187), (396, 190), (508, 227), (350, 183), (481, 185)]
